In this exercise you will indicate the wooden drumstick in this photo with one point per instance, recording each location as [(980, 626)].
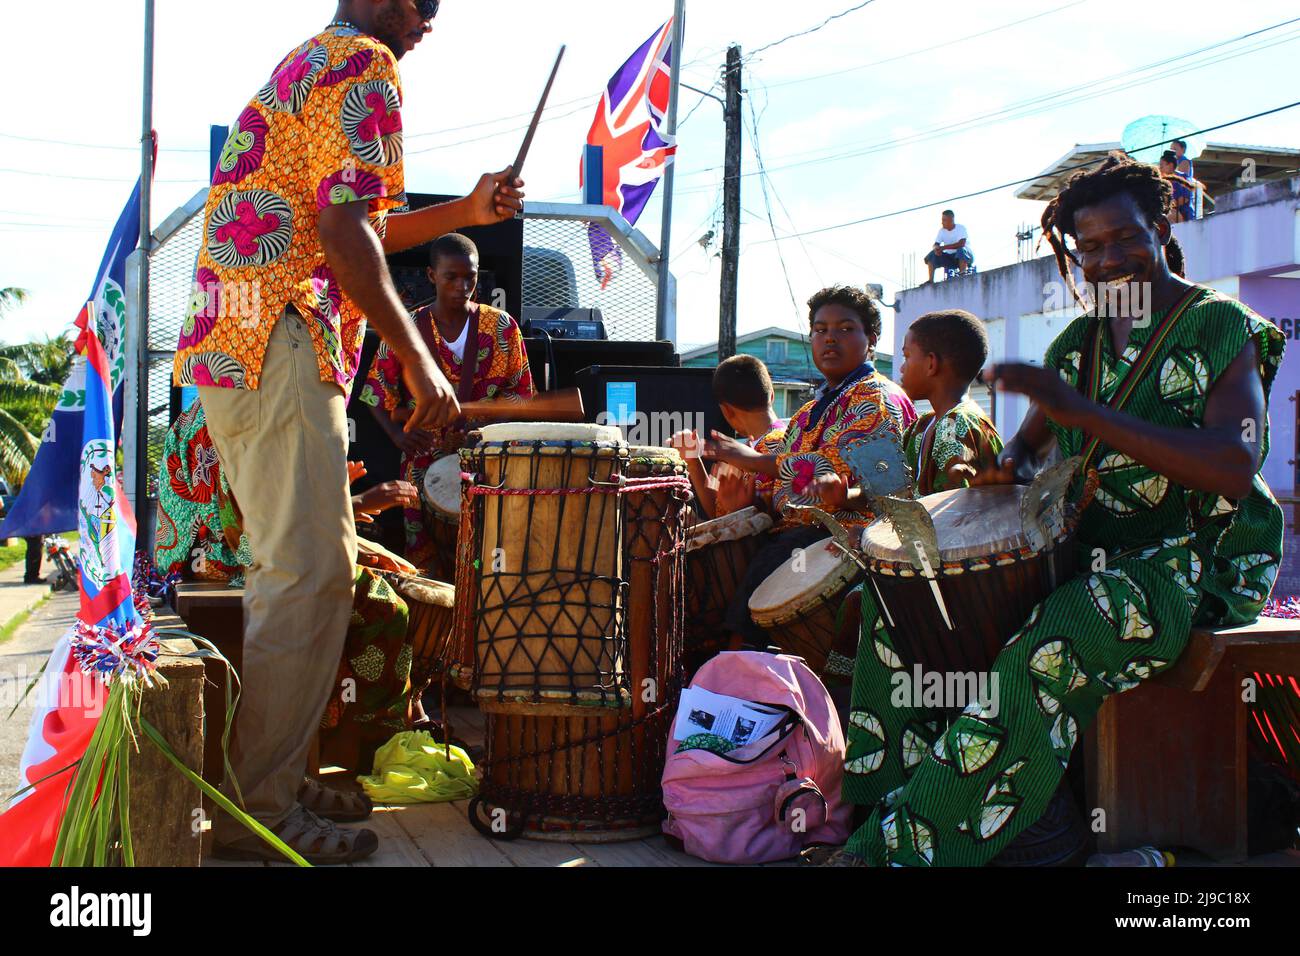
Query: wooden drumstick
[(518, 166), (564, 405)]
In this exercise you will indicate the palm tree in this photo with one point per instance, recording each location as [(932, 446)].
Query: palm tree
[(10, 297), (27, 400)]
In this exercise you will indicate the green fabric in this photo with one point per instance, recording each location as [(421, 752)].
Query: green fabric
[(963, 432), (414, 768), (957, 795)]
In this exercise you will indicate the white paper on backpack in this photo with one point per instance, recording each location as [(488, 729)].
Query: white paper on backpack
[(731, 718)]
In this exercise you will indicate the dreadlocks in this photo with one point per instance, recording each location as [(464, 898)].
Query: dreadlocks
[(1117, 174)]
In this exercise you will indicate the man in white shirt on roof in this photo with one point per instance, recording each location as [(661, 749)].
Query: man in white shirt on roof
[(951, 248)]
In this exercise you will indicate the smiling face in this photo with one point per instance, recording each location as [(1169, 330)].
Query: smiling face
[(839, 342), (1117, 244), (454, 279), (398, 24)]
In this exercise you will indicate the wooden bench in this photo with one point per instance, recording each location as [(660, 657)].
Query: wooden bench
[(1166, 761)]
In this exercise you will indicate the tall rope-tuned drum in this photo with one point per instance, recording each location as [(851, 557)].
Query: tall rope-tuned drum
[(576, 548)]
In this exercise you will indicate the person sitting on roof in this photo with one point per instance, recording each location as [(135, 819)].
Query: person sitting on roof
[(951, 248)]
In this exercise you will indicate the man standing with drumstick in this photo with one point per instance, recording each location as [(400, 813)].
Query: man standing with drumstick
[(295, 233), (1170, 408)]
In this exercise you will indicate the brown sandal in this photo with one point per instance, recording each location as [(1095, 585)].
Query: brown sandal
[(341, 806), (318, 841)]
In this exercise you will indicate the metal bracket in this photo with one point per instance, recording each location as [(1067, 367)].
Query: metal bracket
[(1042, 506), (879, 466)]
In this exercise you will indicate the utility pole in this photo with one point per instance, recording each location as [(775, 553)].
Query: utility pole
[(730, 209)]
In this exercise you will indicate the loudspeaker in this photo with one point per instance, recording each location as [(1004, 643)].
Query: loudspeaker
[(555, 363), (659, 401)]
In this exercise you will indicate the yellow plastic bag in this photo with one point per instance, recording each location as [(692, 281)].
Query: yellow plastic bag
[(414, 768)]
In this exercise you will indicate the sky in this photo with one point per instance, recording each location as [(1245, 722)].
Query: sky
[(926, 106)]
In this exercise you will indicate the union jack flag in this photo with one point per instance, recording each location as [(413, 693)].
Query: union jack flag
[(629, 127)]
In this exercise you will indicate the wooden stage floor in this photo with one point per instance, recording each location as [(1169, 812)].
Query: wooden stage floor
[(440, 834)]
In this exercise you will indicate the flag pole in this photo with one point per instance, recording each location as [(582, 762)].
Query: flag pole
[(135, 429), (665, 307)]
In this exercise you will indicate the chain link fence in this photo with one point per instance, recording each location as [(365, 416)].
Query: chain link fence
[(577, 258)]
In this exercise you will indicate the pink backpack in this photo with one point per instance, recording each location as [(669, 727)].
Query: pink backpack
[(769, 799)]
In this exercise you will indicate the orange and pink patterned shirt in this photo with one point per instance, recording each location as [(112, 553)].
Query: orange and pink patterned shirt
[(325, 129)]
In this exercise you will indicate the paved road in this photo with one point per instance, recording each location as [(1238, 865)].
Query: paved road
[(21, 658)]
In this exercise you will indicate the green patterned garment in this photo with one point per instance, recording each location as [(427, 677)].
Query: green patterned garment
[(963, 433), (957, 795)]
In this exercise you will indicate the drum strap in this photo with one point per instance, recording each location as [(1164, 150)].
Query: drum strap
[(1091, 376), (424, 322)]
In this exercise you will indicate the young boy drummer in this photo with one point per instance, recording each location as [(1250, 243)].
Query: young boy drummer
[(856, 403), (742, 387), (1186, 529), (479, 349), (943, 353)]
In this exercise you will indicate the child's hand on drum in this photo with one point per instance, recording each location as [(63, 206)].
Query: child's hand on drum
[(720, 447), (1003, 473), (381, 497), (735, 490), (356, 469), (687, 443), (833, 491)]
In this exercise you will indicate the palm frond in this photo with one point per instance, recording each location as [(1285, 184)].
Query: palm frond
[(18, 449), (12, 296)]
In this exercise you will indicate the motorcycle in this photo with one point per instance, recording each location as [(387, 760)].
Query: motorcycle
[(65, 567)]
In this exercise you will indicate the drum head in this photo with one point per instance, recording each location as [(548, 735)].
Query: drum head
[(823, 569), (968, 523), (550, 431), (739, 524), (441, 490), (424, 590)]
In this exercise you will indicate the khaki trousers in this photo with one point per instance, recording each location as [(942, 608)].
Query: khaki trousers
[(283, 449)]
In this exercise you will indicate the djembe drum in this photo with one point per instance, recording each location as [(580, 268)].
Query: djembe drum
[(717, 554), (430, 607), (440, 504), (584, 763), (957, 573), (798, 605)]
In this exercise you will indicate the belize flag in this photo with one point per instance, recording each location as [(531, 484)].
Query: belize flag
[(109, 640), (47, 503), (630, 128)]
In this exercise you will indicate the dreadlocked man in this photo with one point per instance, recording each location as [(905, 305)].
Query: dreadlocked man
[(1182, 531)]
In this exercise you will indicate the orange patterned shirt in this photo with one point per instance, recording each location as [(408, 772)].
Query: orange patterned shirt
[(325, 129)]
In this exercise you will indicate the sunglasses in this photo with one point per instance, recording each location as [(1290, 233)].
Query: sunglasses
[(428, 9)]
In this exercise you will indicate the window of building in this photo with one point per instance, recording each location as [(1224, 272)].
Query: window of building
[(776, 350)]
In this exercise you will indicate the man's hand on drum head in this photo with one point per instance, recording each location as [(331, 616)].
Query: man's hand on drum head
[(1043, 386), (435, 399)]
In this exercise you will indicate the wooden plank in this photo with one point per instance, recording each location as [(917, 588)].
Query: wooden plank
[(396, 847), (673, 857), (530, 853), (638, 853), (444, 837)]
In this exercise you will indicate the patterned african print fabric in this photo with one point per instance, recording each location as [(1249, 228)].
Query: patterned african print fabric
[(376, 656), (957, 794), (502, 373), (963, 433), (871, 407), (199, 530), (189, 537), (769, 443), (325, 129)]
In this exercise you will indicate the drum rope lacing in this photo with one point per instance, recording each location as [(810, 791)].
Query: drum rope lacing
[(647, 524)]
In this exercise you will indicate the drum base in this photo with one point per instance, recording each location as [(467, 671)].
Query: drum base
[(560, 830)]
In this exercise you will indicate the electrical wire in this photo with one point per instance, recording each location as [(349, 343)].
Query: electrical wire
[(1029, 179), (804, 33)]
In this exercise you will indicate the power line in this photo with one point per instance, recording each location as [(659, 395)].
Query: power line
[(758, 157), (804, 33), (928, 49), (1028, 179), (1024, 108)]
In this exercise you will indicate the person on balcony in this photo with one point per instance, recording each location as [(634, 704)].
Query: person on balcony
[(951, 248)]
